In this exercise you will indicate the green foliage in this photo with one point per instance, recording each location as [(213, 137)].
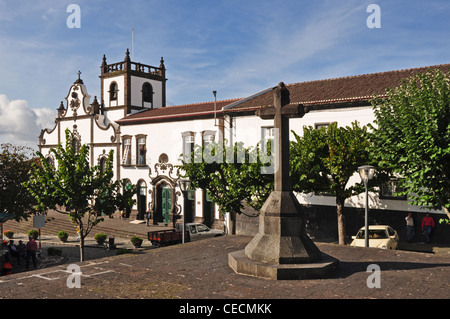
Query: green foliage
[(8, 233), (63, 235), (323, 160), (72, 186), (136, 241), (15, 163), (230, 175), (33, 233), (100, 238), (411, 136)]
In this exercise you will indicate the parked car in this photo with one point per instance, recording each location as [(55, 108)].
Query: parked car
[(198, 231), (380, 236)]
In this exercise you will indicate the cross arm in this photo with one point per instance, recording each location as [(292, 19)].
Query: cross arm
[(288, 111)]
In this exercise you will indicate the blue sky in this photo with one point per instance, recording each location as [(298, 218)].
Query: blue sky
[(234, 47)]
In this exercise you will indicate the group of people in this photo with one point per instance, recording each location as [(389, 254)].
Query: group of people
[(427, 227), (20, 251)]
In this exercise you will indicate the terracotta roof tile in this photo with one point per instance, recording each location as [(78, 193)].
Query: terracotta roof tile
[(176, 112), (328, 91), (344, 89)]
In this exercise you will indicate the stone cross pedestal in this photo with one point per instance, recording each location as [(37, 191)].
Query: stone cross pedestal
[(281, 249)]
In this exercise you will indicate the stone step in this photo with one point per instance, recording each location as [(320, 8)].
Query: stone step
[(54, 225)]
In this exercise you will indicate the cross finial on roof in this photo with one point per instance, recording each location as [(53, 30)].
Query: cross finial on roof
[(79, 80)]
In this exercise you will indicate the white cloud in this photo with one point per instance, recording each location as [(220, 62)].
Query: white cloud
[(20, 124)]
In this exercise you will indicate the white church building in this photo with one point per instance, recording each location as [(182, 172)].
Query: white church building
[(148, 137)]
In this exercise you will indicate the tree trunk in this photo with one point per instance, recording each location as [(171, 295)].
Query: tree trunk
[(81, 248), (446, 211), (341, 220), (232, 225)]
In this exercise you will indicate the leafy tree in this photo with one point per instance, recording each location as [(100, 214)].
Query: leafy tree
[(323, 160), (15, 162), (412, 137), (73, 187), (230, 175)]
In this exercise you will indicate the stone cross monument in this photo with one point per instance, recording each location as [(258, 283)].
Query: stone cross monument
[(281, 249)]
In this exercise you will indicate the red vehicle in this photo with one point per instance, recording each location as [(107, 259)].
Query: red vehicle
[(165, 237)]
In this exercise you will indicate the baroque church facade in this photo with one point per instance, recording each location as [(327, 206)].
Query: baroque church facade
[(150, 138)]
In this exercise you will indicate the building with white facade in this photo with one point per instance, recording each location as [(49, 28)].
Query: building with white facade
[(148, 137)]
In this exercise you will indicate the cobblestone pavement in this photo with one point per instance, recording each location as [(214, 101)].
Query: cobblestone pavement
[(199, 270)]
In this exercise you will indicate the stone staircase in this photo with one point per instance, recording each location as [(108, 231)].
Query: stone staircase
[(55, 224)]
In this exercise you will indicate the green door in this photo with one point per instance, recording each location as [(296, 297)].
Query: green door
[(166, 204)]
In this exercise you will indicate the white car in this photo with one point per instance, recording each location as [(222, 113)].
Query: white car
[(380, 236), (196, 231)]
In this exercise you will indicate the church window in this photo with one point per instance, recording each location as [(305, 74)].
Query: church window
[(390, 189), (188, 145), (113, 91), (318, 126), (50, 161), (147, 93), (141, 150), (102, 164), (267, 134), (208, 137), (126, 151)]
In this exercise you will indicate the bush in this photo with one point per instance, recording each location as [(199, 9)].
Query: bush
[(33, 233), (63, 235), (136, 241), (52, 251), (8, 233), (122, 251), (100, 238)]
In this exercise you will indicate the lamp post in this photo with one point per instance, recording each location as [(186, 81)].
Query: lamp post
[(184, 184), (366, 173)]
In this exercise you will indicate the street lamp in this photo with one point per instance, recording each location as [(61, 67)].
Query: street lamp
[(366, 173), (184, 184)]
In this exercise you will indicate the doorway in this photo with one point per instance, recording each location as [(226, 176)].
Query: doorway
[(163, 204), (141, 200)]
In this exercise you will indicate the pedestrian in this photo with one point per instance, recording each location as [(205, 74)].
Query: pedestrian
[(7, 268), (427, 227), (13, 250), (31, 248), (409, 228), (78, 233), (21, 250), (5, 252), (148, 216)]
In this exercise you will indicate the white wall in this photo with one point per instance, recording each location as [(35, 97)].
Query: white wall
[(248, 130)]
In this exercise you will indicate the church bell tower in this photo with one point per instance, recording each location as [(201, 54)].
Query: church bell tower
[(128, 87)]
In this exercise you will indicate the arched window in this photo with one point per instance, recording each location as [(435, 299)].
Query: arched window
[(147, 93), (102, 164), (113, 91)]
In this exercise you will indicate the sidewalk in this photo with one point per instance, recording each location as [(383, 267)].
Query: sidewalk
[(112, 227), (199, 270)]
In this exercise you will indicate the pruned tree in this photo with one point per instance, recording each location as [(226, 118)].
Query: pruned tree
[(323, 161), (411, 136), (15, 163), (230, 175), (85, 193)]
